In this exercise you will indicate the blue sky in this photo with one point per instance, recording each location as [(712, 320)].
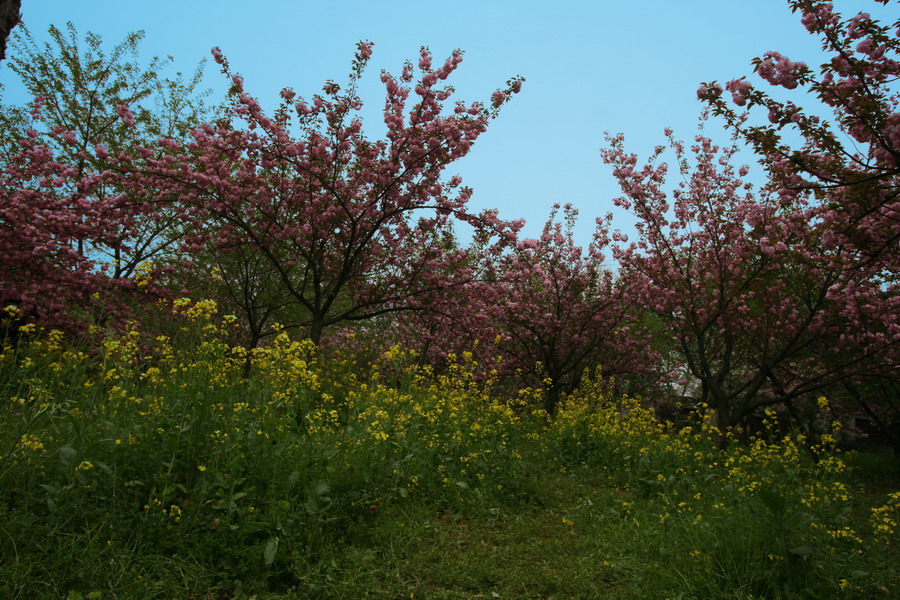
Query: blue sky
[(623, 66)]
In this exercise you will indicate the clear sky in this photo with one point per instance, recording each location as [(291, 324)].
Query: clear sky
[(630, 66)]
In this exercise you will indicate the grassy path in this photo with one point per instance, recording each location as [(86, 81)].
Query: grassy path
[(574, 543), (569, 546)]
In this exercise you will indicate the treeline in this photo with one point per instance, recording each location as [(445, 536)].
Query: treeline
[(121, 186)]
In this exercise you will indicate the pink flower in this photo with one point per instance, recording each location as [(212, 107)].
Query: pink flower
[(779, 70), (739, 89), (36, 106), (425, 59), (125, 115)]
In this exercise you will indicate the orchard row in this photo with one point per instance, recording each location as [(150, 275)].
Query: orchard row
[(120, 187)]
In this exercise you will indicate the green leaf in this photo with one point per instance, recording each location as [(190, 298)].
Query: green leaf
[(53, 491), (317, 499), (271, 550), (103, 467), (68, 456)]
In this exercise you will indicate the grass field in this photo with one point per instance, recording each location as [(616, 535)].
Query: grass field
[(148, 466)]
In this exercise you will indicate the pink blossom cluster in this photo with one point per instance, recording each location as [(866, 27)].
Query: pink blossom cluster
[(125, 114), (739, 88), (779, 70), (48, 220), (851, 160)]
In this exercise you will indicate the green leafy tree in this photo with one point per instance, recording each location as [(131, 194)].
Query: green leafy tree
[(90, 105)]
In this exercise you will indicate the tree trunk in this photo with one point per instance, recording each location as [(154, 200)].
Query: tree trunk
[(552, 398), (9, 18), (723, 423), (315, 330), (255, 336)]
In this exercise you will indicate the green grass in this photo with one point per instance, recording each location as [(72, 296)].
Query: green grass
[(549, 549), (149, 468)]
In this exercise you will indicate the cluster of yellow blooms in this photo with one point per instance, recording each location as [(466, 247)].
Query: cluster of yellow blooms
[(420, 426), (885, 518)]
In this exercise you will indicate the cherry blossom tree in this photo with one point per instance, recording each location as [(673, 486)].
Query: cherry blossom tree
[(106, 102), (558, 311), (538, 313), (242, 281), (449, 320), (743, 282), (74, 231), (44, 276), (853, 161), (349, 227)]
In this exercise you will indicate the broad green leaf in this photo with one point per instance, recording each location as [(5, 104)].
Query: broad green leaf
[(271, 550), (68, 456)]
